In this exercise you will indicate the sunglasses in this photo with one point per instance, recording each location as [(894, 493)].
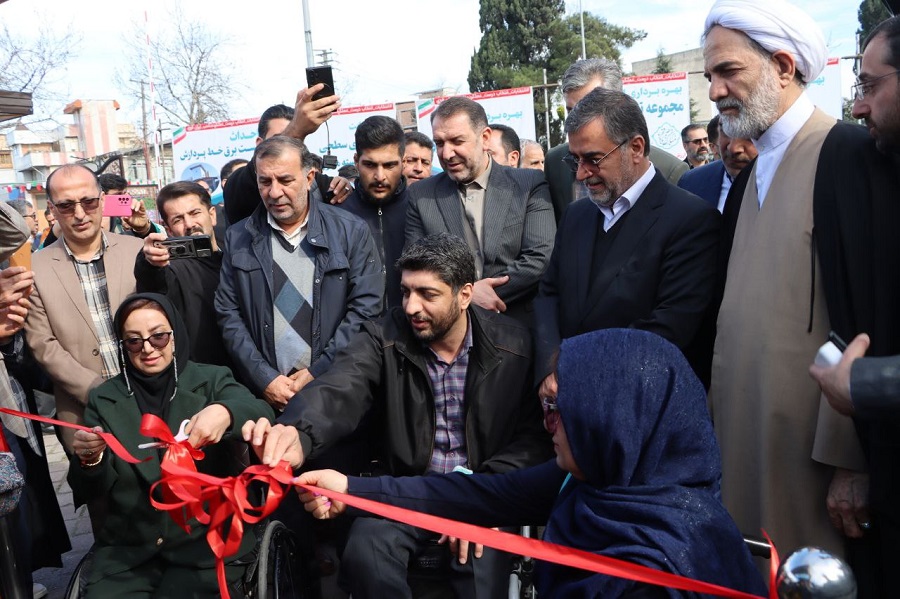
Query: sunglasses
[(68, 206), (551, 414), (156, 340)]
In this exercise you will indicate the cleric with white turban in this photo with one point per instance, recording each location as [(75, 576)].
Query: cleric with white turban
[(775, 25)]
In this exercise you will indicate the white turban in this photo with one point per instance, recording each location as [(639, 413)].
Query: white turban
[(775, 25)]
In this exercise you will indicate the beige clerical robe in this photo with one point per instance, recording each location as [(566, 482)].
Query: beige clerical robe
[(779, 439)]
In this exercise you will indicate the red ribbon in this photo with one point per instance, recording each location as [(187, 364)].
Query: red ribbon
[(550, 552), (220, 502), (113, 443)]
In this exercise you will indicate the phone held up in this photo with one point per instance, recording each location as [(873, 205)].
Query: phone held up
[(195, 246), (316, 75), (117, 205)]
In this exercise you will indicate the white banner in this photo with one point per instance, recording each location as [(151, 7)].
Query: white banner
[(200, 151), (342, 130), (512, 107), (825, 92), (665, 102)]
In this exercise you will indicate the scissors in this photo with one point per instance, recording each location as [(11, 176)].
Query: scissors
[(181, 436)]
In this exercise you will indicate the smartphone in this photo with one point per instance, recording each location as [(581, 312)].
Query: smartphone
[(22, 256), (316, 75), (838, 342), (195, 246), (117, 205)]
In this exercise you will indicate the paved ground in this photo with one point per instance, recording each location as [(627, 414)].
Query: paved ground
[(77, 522)]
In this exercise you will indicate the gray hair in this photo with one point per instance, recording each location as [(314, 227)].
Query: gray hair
[(20, 206), (526, 143), (584, 71), (622, 116)]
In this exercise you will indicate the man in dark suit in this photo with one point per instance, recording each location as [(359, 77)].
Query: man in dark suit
[(639, 252), (713, 181), (577, 82), (502, 213)]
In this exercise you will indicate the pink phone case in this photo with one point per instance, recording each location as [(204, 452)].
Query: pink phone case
[(117, 205)]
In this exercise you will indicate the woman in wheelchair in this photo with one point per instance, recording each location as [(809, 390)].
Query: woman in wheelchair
[(636, 475), (140, 551)]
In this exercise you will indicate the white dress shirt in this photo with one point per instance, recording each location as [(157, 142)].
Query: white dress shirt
[(774, 142)]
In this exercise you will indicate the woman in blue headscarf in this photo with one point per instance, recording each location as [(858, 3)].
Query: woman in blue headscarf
[(636, 475)]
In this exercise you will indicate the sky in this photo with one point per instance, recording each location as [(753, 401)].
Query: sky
[(385, 51)]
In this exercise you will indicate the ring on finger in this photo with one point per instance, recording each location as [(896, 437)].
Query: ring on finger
[(865, 525)]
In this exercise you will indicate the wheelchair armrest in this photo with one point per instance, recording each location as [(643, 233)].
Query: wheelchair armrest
[(758, 546)]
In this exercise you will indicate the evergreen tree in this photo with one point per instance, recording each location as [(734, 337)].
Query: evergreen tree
[(663, 63), (871, 13), (520, 38)]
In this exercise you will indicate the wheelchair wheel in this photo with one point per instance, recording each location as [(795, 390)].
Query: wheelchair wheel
[(277, 572), (73, 589)]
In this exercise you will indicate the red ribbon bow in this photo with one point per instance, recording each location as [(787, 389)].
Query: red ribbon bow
[(220, 504)]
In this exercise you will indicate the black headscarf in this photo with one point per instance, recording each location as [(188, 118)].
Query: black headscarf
[(153, 392), (636, 420)]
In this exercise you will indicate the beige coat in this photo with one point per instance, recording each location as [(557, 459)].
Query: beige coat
[(780, 441), (59, 329)]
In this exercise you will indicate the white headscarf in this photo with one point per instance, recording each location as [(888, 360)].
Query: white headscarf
[(775, 25)]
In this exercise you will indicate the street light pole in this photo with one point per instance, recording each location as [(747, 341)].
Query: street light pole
[(583, 45), (307, 34)]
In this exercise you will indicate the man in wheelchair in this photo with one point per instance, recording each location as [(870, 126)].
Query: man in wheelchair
[(448, 386)]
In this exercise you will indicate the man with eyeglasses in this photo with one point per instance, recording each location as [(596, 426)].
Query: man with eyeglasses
[(79, 281), (578, 80), (863, 384), (639, 253), (696, 145)]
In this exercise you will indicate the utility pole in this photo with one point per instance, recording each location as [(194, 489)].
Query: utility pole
[(326, 57), (583, 45), (546, 110), (307, 34), (144, 131)]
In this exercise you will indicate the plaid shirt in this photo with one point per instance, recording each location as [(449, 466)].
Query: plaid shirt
[(92, 276), (448, 385)]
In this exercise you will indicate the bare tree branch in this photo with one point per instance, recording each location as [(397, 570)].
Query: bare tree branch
[(34, 65), (194, 78)]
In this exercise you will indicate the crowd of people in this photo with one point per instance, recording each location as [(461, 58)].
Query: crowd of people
[(439, 337)]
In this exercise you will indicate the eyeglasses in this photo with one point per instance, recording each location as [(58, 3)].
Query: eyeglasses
[(698, 141), (551, 414), (865, 88), (157, 341), (32, 215), (574, 162), (68, 206)]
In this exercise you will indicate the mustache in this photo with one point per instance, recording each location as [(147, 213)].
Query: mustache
[(726, 103)]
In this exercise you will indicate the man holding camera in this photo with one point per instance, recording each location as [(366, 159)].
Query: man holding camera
[(185, 273)]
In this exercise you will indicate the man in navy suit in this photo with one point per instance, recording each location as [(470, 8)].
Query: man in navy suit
[(504, 214), (713, 181), (638, 252)]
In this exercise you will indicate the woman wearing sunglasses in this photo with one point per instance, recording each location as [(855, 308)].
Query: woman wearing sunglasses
[(141, 552), (636, 475)]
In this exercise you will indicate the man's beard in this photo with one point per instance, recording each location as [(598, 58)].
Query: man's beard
[(612, 190), (756, 114), (440, 324)]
